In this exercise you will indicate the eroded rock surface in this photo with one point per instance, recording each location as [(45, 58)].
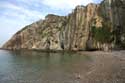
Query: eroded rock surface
[(73, 32)]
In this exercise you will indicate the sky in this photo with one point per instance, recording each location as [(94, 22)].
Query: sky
[(15, 14)]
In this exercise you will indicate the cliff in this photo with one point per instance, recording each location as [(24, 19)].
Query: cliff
[(95, 26)]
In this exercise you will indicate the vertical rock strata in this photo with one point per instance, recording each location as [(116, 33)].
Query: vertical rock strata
[(73, 32)]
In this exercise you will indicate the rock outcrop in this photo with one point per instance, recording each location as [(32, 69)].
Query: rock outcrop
[(74, 32)]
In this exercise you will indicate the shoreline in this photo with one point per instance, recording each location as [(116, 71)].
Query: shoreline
[(68, 51)]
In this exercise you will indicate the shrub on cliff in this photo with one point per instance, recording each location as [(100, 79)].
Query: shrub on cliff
[(102, 34)]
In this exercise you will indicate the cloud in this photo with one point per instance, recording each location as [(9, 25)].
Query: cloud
[(21, 11), (65, 4)]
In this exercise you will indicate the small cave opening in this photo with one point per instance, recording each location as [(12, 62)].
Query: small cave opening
[(56, 41), (76, 46), (62, 45)]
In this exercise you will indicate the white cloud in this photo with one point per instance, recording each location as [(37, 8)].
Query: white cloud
[(25, 12), (65, 4)]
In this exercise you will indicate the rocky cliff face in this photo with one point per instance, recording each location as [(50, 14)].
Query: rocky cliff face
[(74, 32)]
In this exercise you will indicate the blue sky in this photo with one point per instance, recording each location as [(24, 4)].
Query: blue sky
[(15, 14)]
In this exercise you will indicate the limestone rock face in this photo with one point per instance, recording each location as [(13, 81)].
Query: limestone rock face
[(73, 32), (43, 34), (118, 14), (114, 10)]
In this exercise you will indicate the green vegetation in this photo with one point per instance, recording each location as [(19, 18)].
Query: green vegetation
[(101, 34)]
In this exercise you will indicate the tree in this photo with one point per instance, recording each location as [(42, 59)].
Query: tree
[(102, 34)]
